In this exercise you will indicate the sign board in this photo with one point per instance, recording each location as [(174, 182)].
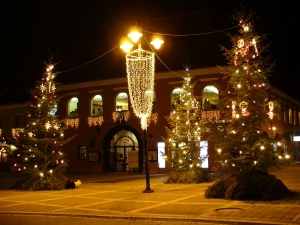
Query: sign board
[(133, 159)]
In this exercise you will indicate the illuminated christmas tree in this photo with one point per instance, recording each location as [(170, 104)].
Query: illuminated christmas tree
[(244, 149), (39, 155), (183, 140)]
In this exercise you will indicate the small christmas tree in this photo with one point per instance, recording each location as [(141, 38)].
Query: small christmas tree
[(184, 138), (243, 148), (39, 155)]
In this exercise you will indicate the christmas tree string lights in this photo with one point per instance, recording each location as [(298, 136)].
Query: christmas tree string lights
[(39, 155), (184, 135)]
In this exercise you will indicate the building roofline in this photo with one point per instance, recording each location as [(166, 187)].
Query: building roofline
[(160, 75), (15, 105)]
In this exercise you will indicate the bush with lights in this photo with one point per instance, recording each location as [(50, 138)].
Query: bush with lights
[(183, 140), (243, 148), (39, 156)]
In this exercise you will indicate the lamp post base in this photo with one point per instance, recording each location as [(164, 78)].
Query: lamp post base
[(148, 190)]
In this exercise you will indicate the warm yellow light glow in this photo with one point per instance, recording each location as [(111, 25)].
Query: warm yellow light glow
[(241, 43), (287, 156), (93, 121), (157, 40), (41, 174), (211, 114), (134, 33), (262, 147), (125, 44), (219, 150), (140, 76), (47, 125), (73, 123)]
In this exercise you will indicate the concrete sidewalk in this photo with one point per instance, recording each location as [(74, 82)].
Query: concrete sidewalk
[(120, 196)]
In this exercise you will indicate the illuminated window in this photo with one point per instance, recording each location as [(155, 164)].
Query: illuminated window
[(175, 97), (18, 121), (210, 97), (161, 148), (97, 106), (73, 107), (122, 102), (204, 153), (295, 117), (53, 110)]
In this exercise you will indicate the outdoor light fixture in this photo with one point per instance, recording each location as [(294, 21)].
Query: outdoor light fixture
[(140, 76)]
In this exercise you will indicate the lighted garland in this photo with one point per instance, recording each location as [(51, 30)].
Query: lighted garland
[(140, 75)]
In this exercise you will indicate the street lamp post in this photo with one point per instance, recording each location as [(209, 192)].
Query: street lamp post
[(140, 76)]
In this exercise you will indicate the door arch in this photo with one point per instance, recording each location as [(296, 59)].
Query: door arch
[(117, 143)]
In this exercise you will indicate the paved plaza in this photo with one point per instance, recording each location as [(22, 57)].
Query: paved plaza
[(119, 197)]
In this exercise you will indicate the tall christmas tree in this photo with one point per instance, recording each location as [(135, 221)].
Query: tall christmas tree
[(39, 155), (243, 147), (183, 140)]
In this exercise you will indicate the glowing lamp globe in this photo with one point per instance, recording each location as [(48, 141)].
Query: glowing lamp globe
[(134, 33), (157, 41), (125, 44)]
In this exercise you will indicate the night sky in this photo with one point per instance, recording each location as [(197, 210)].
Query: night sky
[(78, 32)]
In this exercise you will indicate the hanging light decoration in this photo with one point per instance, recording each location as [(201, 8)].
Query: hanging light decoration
[(140, 75), (271, 107)]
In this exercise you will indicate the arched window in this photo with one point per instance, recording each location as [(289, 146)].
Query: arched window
[(73, 107), (97, 106), (290, 116), (175, 97), (210, 97), (122, 102)]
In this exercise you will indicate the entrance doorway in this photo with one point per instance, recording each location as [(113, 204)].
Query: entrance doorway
[(124, 152)]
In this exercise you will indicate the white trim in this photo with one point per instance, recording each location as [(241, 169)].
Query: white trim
[(120, 88), (95, 91), (175, 82), (209, 79), (73, 93)]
